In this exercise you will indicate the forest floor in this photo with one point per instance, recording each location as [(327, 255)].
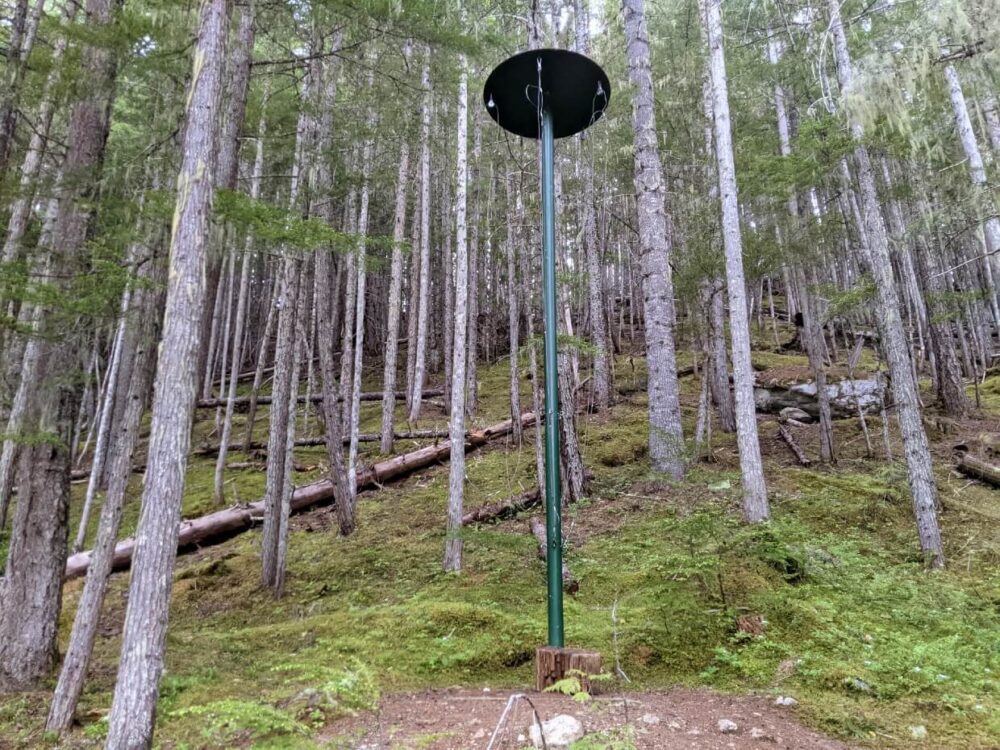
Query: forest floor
[(876, 651), (681, 719)]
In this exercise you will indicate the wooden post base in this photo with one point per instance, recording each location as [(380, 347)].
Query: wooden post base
[(552, 664)]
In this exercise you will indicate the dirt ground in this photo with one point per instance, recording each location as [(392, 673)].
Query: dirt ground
[(466, 719)]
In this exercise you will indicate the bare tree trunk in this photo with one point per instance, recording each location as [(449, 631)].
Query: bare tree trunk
[(420, 357), (17, 57), (258, 377), (395, 290), (104, 426), (326, 324), (20, 210), (755, 505), (876, 247), (948, 376), (472, 388), (281, 421), (513, 300), (241, 307), (140, 344), (666, 439), (31, 588), (991, 111), (456, 425), (977, 172), (601, 386), (360, 297), (133, 710), (722, 394)]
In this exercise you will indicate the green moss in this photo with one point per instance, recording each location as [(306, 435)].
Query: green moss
[(835, 580)]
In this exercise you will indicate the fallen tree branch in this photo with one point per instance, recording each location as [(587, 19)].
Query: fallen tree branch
[(793, 446), (503, 509), (223, 524)]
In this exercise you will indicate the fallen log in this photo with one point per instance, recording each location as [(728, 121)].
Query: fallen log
[(258, 466), (503, 509), (979, 469), (803, 459), (243, 402), (310, 442), (223, 524), (570, 584)]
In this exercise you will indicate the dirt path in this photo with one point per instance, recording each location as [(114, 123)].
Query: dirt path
[(678, 719)]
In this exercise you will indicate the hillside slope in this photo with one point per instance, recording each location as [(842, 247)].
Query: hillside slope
[(828, 603)]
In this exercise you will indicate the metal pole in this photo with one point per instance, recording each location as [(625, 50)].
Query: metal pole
[(553, 496)]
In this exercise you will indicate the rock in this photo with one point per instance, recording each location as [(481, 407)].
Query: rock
[(521, 739), (479, 735), (785, 700), (856, 683), (675, 725), (918, 732), (790, 412), (560, 732), (758, 734), (651, 719), (726, 726)]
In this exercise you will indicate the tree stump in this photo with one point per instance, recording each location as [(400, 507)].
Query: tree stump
[(552, 664)]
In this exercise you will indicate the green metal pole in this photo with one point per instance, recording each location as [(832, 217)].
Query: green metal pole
[(553, 502)]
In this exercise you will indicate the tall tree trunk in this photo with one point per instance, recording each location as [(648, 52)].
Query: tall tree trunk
[(284, 386), (812, 328), (904, 387), (133, 710), (241, 307), (977, 173), (395, 295), (31, 588), (456, 425), (472, 376), (423, 301), (360, 298), (601, 384), (140, 344), (666, 439), (511, 242), (755, 505), (326, 317)]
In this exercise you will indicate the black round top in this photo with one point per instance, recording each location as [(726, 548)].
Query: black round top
[(574, 89)]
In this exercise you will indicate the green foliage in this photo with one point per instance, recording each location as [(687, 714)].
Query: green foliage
[(619, 738), (229, 721), (277, 226)]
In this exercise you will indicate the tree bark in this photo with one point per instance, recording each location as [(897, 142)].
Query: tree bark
[(133, 709), (140, 344), (241, 308), (666, 439), (423, 301), (755, 504), (29, 605), (456, 477), (601, 383), (395, 299), (875, 245)]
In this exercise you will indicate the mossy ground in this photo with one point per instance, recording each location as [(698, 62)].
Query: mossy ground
[(854, 627)]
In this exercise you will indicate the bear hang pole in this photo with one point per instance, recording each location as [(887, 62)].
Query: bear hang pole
[(547, 94)]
